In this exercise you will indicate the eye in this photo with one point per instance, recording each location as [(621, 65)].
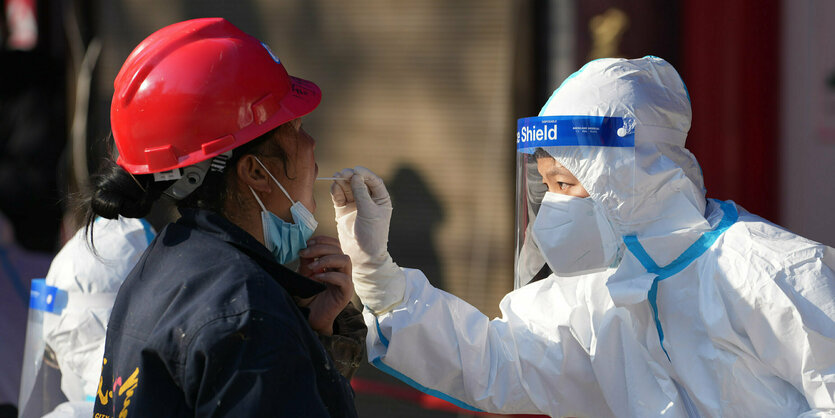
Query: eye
[(563, 186)]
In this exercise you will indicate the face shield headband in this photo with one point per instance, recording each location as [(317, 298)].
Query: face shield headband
[(560, 131), (572, 235)]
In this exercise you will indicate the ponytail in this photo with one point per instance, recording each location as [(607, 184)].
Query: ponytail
[(114, 192)]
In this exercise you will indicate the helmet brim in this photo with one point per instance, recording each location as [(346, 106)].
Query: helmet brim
[(303, 98)]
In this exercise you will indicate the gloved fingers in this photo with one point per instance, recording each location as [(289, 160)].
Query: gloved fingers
[(366, 206), (338, 196), (376, 187), (341, 193)]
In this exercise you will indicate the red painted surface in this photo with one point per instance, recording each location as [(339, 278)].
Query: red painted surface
[(371, 387), (731, 62)]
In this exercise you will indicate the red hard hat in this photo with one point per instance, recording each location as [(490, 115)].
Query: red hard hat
[(199, 88)]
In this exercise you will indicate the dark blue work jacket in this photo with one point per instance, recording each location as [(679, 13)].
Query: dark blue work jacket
[(206, 325)]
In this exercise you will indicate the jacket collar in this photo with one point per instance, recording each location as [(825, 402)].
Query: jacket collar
[(221, 228)]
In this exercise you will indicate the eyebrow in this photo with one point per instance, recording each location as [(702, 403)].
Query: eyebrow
[(556, 170)]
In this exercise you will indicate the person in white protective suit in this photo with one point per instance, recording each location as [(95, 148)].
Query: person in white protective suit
[(663, 302), (83, 282)]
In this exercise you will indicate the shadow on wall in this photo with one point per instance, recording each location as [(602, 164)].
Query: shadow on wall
[(417, 213)]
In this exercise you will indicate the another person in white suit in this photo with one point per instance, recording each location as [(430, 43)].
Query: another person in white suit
[(661, 302), (81, 285)]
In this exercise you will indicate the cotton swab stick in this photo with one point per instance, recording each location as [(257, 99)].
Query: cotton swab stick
[(330, 178)]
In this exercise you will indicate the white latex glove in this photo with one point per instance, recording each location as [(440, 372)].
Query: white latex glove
[(363, 212)]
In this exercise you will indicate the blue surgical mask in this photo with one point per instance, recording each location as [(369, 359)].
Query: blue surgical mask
[(284, 239)]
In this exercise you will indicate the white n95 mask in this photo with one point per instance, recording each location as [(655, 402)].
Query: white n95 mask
[(574, 235)]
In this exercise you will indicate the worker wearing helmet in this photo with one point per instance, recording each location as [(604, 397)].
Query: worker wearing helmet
[(210, 321), (656, 300)]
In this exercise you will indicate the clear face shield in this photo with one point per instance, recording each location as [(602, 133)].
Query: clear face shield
[(40, 379), (63, 350), (591, 142)]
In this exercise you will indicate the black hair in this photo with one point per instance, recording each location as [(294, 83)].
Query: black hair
[(541, 153), (113, 191)]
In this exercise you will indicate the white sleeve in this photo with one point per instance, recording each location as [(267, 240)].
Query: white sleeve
[(792, 326), (443, 346), (811, 287)]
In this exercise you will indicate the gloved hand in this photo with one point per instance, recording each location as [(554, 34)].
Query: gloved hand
[(363, 213)]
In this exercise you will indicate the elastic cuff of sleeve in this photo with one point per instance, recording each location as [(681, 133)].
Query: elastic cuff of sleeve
[(381, 287)]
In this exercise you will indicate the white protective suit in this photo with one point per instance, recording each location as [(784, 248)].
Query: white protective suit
[(746, 309), (90, 282)]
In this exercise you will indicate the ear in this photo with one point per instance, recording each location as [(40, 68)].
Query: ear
[(251, 174)]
